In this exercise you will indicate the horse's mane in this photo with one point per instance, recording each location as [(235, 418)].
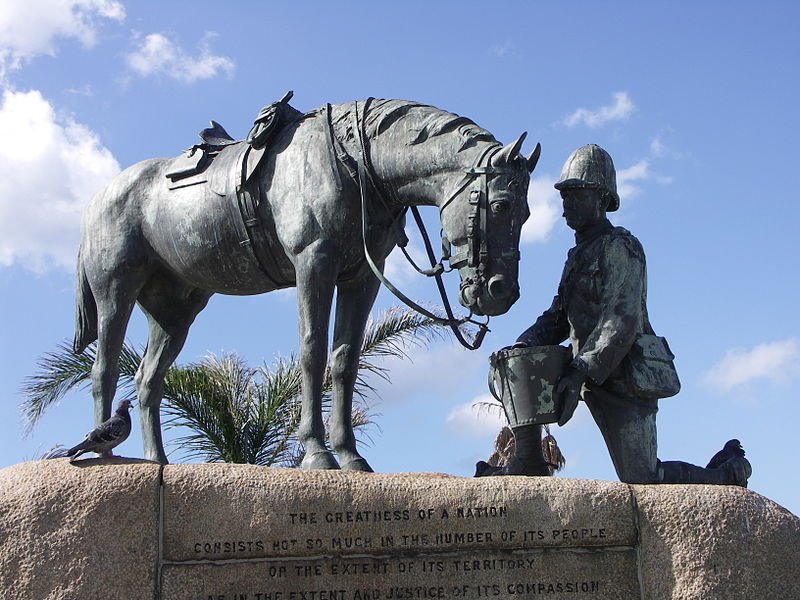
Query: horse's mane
[(433, 121)]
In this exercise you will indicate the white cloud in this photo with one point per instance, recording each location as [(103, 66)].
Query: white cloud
[(84, 90), (475, 419), (639, 172), (29, 28), (626, 178), (156, 54), (657, 147), (442, 371), (621, 109), (49, 168), (501, 50), (777, 362), (545, 203)]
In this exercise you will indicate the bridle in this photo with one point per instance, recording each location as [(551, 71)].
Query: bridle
[(477, 254)]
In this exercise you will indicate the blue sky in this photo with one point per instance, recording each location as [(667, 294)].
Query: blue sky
[(695, 102)]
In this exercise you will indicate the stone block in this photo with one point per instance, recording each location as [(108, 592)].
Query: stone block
[(551, 572), (81, 531), (706, 541), (291, 513), (130, 530)]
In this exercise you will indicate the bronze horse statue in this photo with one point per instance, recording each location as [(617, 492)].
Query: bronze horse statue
[(169, 248)]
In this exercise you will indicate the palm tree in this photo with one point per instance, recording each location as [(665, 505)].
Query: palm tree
[(233, 412)]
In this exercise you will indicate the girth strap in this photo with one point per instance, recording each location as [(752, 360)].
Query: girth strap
[(249, 197)]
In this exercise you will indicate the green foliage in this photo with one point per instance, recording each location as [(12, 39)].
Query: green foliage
[(232, 412), (229, 415), (62, 370)]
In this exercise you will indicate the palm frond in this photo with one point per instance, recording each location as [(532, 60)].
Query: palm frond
[(396, 330), (211, 399), (490, 406), (228, 411), (391, 336), (234, 413), (271, 427), (63, 370), (503, 448)]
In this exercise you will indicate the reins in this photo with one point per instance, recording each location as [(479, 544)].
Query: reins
[(437, 268)]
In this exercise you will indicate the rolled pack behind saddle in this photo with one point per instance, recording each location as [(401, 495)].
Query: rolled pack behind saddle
[(227, 165)]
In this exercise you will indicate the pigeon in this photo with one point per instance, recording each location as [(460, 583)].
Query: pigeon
[(731, 449), (106, 436), (57, 451)]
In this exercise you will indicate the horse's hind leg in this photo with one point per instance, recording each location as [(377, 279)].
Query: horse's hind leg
[(315, 282), (171, 308), (353, 302), (115, 295)]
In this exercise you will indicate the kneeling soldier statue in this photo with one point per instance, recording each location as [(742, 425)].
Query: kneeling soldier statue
[(619, 367)]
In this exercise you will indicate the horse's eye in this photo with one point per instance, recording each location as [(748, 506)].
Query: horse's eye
[(513, 186), (500, 206)]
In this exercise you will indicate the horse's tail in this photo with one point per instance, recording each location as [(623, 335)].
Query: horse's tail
[(85, 310)]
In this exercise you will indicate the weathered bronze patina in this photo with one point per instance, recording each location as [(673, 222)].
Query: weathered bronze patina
[(619, 367), (284, 209)]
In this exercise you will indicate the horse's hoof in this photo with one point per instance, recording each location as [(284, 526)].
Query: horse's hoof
[(357, 464), (160, 459), (319, 460)]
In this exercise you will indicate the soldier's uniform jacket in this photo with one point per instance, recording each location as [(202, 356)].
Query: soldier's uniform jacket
[(601, 302)]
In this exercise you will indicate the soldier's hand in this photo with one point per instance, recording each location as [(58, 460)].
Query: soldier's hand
[(569, 390)]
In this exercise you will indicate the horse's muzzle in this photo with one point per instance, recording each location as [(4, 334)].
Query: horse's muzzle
[(490, 298)]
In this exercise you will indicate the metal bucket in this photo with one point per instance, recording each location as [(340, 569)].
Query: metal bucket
[(523, 380)]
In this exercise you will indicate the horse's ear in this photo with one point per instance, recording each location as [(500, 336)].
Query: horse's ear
[(507, 154), (534, 157)]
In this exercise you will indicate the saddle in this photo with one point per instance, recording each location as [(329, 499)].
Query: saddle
[(227, 167), (225, 163)]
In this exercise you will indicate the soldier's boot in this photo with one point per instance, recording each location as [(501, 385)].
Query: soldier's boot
[(528, 458), (734, 471)]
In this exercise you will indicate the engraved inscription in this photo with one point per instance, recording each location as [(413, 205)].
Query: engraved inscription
[(292, 546), (379, 516), (533, 573), (389, 515), (371, 538), (540, 588)]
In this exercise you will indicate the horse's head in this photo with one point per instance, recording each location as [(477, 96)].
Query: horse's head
[(482, 219)]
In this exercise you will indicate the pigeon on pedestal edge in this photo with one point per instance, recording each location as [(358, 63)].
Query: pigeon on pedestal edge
[(106, 436), (733, 448)]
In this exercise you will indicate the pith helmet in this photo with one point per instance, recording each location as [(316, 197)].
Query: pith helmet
[(590, 167)]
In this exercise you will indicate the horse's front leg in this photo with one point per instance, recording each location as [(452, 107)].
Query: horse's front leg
[(316, 277), (354, 300)]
